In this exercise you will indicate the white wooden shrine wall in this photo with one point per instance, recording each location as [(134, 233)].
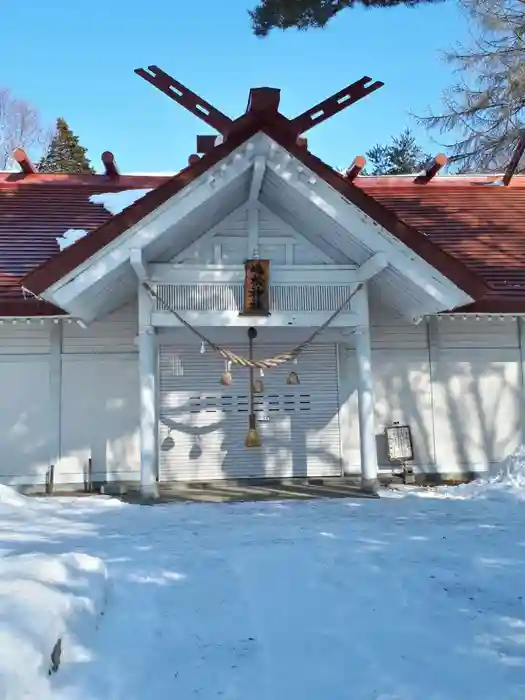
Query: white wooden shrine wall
[(457, 383), (25, 419), (100, 399), (477, 390), (69, 394)]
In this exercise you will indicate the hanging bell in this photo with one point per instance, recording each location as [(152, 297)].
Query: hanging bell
[(258, 386), (293, 378), (226, 376), (196, 450)]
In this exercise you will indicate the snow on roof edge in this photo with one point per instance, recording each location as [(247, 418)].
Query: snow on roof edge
[(116, 202)]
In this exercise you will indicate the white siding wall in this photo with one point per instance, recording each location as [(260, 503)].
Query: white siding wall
[(461, 395), (100, 399), (25, 421), (476, 378), (457, 383), (24, 338), (100, 418), (88, 377)]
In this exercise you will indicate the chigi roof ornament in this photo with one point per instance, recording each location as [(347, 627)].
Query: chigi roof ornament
[(260, 100)]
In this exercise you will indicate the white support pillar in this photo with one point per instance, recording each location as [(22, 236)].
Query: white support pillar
[(521, 339), (365, 394), (148, 412), (55, 395)]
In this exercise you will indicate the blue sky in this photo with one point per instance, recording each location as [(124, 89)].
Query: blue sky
[(76, 60)]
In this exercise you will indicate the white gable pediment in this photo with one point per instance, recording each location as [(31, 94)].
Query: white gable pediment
[(259, 199), (228, 242)]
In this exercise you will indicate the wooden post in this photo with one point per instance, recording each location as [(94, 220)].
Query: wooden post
[(365, 396), (148, 412)]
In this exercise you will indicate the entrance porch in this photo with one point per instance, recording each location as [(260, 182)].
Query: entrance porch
[(193, 427)]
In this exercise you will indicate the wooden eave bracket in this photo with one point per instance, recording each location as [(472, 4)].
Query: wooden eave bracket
[(137, 263), (372, 267)]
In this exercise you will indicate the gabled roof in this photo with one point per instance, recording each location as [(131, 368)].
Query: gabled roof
[(465, 228), (277, 128)]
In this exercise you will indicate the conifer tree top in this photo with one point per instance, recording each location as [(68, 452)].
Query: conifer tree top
[(65, 154)]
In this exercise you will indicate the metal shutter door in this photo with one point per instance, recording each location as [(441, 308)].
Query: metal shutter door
[(202, 424)]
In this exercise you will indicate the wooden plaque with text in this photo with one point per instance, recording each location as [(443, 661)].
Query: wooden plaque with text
[(256, 300)]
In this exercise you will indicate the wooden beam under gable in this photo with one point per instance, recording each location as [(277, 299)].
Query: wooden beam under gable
[(165, 273)]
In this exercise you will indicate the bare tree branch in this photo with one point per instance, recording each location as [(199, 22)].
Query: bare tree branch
[(20, 126), (485, 108)]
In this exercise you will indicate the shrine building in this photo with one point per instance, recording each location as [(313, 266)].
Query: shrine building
[(258, 315)]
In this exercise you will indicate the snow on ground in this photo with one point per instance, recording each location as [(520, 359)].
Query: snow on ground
[(44, 597), (115, 202), (507, 480), (399, 598)]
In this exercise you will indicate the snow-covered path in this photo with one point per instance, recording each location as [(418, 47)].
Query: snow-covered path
[(395, 599)]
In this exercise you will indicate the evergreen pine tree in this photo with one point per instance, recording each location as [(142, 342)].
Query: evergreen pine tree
[(303, 14), (402, 155), (65, 154)]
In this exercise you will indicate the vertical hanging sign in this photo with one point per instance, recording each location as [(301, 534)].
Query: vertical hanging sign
[(256, 288)]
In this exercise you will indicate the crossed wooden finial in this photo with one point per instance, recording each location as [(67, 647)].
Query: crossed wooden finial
[(261, 99)]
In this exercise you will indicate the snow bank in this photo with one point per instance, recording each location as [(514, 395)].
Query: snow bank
[(115, 202), (10, 497), (43, 598), (507, 479)]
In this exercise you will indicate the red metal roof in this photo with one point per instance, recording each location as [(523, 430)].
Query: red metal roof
[(472, 220), (478, 224), (34, 211)]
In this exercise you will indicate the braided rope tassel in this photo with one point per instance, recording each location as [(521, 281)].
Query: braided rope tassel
[(268, 363)]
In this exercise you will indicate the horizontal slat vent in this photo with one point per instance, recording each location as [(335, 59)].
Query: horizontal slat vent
[(229, 297), (200, 297), (240, 403)]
